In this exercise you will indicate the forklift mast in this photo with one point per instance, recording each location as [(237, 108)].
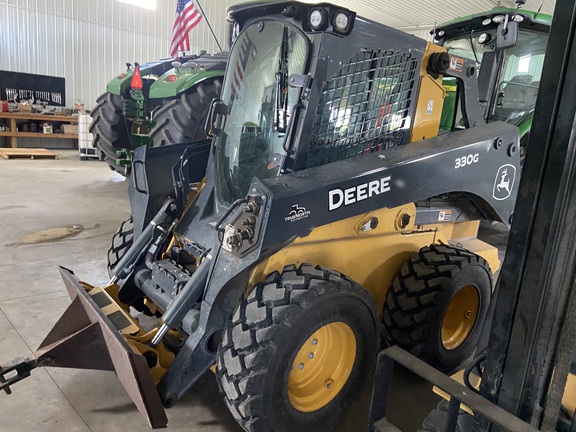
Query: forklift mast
[(532, 334)]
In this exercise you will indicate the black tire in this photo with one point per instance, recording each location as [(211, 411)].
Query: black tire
[(111, 130), (183, 118), (419, 299), (265, 333), (121, 241)]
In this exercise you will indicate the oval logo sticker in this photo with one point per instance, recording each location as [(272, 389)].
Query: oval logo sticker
[(504, 182)]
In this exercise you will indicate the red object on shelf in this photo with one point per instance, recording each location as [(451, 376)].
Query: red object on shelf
[(5, 106)]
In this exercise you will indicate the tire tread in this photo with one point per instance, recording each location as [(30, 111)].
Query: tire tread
[(414, 291), (241, 359)]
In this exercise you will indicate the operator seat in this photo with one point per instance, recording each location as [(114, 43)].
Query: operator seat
[(515, 92)]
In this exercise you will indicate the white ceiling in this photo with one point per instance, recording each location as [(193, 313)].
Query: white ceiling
[(412, 15)]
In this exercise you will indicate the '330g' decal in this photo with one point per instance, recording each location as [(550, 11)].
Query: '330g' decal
[(463, 161)]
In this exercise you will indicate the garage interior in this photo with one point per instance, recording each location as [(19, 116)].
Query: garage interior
[(64, 209)]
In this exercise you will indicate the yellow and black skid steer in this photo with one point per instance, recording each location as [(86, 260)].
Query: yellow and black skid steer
[(325, 209)]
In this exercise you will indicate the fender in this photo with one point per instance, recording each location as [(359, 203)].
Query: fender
[(120, 83), (186, 78)]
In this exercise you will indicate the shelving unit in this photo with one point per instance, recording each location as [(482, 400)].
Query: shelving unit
[(14, 134)]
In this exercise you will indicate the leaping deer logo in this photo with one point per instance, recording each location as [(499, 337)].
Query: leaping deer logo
[(504, 182)]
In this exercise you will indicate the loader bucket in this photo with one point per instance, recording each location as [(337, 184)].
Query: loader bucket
[(89, 336)]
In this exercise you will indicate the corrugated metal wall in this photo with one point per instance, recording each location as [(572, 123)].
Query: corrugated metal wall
[(89, 41)]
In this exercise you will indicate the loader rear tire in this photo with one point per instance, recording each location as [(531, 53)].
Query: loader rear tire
[(437, 305), (183, 119), (121, 241), (297, 352), (111, 130)]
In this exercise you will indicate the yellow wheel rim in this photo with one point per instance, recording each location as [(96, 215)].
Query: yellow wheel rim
[(322, 367), (460, 317)]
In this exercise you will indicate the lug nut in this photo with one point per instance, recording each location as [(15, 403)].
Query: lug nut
[(468, 314), (311, 355), (301, 366), (328, 383), (314, 341)]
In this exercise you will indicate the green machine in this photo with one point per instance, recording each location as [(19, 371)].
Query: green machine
[(158, 103), (511, 96)]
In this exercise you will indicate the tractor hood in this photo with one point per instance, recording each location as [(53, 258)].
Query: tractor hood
[(181, 78), (122, 82)]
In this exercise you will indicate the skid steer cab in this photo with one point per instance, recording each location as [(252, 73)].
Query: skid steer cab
[(325, 208)]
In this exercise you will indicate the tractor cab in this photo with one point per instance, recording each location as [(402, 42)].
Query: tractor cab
[(508, 75)]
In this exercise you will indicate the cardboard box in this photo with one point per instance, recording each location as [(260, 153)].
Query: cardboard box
[(25, 108), (70, 129)]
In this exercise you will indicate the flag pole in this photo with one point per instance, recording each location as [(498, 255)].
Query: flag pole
[(209, 26)]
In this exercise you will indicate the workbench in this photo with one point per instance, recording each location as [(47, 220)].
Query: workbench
[(14, 134)]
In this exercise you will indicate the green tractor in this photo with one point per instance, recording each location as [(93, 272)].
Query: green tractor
[(158, 103), (508, 79)]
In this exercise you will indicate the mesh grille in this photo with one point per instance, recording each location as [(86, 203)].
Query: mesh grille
[(364, 107)]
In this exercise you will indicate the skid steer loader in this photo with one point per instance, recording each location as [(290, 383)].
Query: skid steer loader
[(325, 208)]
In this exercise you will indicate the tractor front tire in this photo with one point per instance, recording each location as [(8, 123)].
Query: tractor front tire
[(437, 305), (183, 119), (297, 352), (111, 130), (122, 240)]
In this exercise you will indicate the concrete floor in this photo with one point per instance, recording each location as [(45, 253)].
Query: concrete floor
[(85, 197)]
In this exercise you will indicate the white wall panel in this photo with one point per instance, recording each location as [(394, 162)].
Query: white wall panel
[(89, 41), (85, 41)]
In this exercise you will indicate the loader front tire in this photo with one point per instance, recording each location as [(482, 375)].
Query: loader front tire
[(297, 352), (111, 130), (121, 241), (437, 305), (183, 118)]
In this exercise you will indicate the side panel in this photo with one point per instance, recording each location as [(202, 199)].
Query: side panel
[(482, 162)]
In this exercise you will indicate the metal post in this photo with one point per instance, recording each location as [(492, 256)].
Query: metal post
[(535, 282)]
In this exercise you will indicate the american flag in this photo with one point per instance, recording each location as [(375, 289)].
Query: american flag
[(187, 17), (240, 65)]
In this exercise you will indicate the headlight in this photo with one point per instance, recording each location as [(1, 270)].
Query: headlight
[(484, 38), (317, 19), (341, 22)]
